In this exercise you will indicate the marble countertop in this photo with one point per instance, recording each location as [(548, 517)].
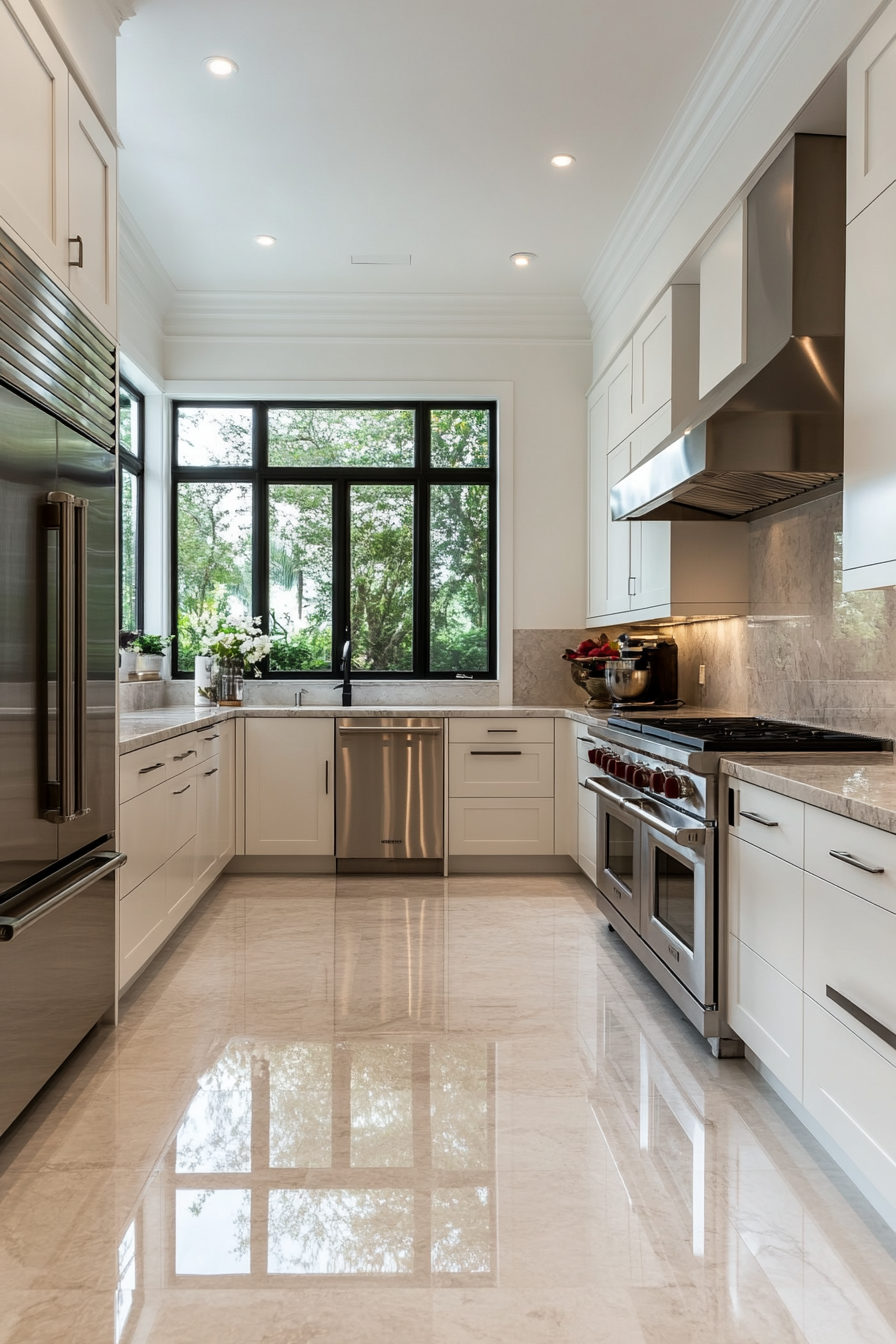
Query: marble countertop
[(860, 785)]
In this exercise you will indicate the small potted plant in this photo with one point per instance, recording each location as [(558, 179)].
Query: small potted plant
[(235, 647), (127, 654), (151, 650)]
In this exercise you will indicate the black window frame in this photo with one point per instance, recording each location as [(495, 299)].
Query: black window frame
[(422, 475), (132, 462)]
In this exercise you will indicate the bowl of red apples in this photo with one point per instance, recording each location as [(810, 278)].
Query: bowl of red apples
[(587, 663)]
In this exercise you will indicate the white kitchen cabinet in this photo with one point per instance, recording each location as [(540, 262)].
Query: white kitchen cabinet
[(766, 1011), (566, 790), (227, 793), (664, 362), (501, 826), (207, 823), (501, 770), (869, 409), (587, 856), (290, 786), (34, 138), (768, 820), (622, 540), (723, 306), (849, 854), (598, 492), (618, 382), (142, 925), (92, 211), (141, 835), (765, 906), (871, 115)]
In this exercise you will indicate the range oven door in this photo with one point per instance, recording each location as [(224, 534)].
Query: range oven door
[(619, 850), (678, 903)]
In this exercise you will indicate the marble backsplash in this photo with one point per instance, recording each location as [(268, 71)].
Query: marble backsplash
[(809, 652), (135, 696)]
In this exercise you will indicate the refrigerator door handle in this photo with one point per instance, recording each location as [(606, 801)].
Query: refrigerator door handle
[(68, 515), (87, 871)]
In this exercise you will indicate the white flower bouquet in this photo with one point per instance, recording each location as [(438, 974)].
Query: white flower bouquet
[(232, 640)]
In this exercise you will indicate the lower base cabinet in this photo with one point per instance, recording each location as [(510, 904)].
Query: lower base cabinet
[(501, 826), (766, 1011), (588, 842), (142, 925)]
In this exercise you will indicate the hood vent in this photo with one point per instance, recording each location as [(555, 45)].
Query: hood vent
[(773, 430)]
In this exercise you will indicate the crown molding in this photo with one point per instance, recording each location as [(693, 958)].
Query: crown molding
[(751, 47), (229, 317), (117, 12), (140, 273)]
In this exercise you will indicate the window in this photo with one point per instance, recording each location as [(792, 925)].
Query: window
[(130, 504), (378, 520)]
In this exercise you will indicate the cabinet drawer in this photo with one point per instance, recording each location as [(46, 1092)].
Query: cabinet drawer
[(857, 844), (584, 744), (501, 826), (142, 770), (524, 770), (494, 732), (208, 741), (588, 843), (851, 946), (851, 1091), (180, 810), (766, 1011), (587, 799), (142, 925), (765, 906), (774, 823), (183, 753), (142, 836)]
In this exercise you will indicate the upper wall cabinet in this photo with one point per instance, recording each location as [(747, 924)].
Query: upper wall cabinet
[(58, 189), (92, 195), (871, 115), (723, 307), (664, 359), (618, 383), (33, 142)]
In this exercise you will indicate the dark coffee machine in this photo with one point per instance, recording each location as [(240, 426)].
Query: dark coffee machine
[(659, 659)]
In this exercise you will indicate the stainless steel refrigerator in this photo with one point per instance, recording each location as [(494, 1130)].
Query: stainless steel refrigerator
[(58, 670)]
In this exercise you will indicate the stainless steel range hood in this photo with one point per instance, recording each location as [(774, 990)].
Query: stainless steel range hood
[(773, 430)]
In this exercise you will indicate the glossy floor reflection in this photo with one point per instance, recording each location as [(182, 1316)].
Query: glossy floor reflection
[(434, 1112)]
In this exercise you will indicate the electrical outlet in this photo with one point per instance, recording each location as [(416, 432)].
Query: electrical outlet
[(701, 675)]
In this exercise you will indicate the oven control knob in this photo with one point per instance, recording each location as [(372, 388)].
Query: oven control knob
[(630, 769), (616, 767), (657, 780), (592, 755), (605, 760), (641, 777), (675, 787)]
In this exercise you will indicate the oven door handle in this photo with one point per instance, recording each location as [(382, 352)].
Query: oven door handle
[(689, 836)]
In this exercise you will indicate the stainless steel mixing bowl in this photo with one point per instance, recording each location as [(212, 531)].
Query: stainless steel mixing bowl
[(625, 680)]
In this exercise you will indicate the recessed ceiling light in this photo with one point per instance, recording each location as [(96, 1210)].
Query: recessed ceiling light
[(562, 160), (222, 66), (265, 240), (522, 258)]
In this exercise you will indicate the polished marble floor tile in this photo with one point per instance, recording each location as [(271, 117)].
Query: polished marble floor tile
[(442, 1112)]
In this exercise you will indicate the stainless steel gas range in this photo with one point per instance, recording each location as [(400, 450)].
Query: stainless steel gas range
[(657, 785)]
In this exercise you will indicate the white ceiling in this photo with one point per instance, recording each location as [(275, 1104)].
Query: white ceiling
[(396, 126)]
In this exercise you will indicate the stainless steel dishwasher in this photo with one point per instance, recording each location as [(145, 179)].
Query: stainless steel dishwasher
[(389, 795)]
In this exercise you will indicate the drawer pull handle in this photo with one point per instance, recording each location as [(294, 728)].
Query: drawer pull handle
[(148, 769), (214, 737), (761, 821), (496, 753), (183, 756), (860, 1015), (845, 857), (209, 772), (178, 792), (502, 730)]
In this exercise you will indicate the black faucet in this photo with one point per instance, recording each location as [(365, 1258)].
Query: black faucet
[(346, 670)]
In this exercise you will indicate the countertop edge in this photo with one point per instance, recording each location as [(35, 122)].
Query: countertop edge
[(830, 800)]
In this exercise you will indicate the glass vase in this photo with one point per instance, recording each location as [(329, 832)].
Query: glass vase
[(229, 682)]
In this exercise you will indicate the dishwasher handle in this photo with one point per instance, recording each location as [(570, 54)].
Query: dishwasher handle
[(90, 870), (390, 730)]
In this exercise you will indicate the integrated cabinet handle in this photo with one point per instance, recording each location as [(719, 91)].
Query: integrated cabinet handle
[(496, 753), (148, 769), (183, 756), (80, 241), (760, 821), (851, 859), (214, 737), (502, 730), (326, 776), (178, 792), (860, 1015), (207, 773)]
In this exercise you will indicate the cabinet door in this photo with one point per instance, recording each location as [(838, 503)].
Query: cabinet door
[(208, 776), (869, 481), (619, 397), (501, 825), (92, 201), (587, 856), (226, 791), (289, 786), (141, 834), (765, 906), (501, 770), (598, 442), (766, 1011), (871, 115), (619, 570), (723, 303), (652, 361), (33, 149)]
